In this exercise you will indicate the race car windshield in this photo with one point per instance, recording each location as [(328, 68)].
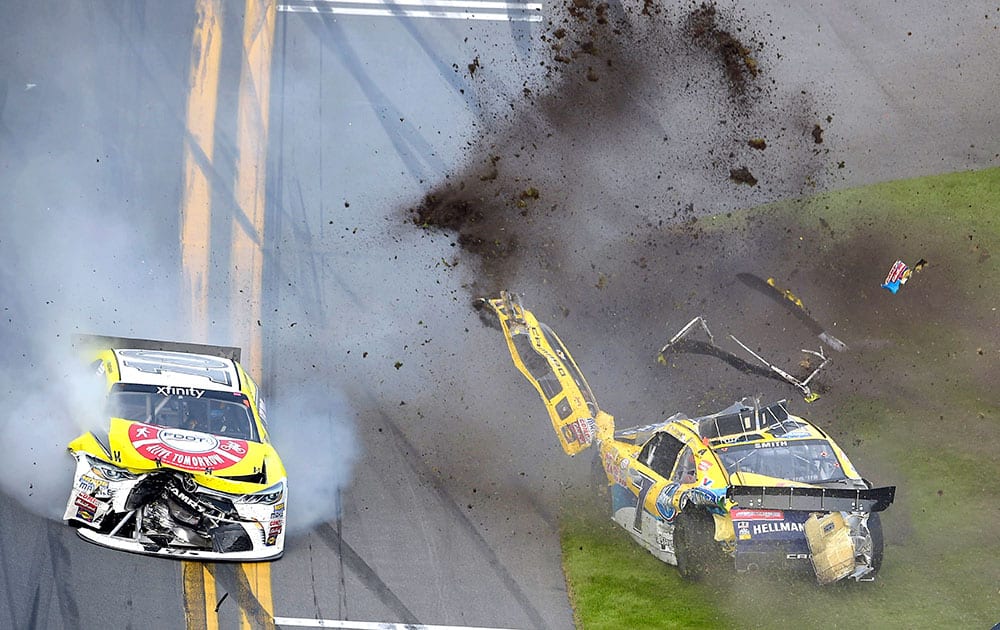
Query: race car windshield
[(218, 413), (807, 461)]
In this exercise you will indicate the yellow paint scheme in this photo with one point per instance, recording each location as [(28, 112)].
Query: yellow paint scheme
[(571, 406), (124, 455), (619, 458)]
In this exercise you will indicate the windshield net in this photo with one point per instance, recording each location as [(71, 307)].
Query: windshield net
[(807, 461), (219, 413)]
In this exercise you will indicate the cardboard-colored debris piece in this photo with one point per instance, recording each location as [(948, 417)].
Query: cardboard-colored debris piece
[(830, 543)]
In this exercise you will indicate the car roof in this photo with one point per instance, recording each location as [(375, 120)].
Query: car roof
[(177, 369)]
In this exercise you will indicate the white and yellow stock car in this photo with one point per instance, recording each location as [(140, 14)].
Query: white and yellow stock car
[(750, 487), (185, 467)]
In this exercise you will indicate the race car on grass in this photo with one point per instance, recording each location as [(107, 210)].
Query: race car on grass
[(752, 487), (184, 467)]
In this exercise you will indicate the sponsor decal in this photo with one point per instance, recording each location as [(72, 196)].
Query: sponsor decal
[(740, 514), (771, 444), (271, 541), (743, 530), (170, 390), (581, 431), (701, 496), (617, 467), (85, 515), (555, 360), (187, 450), (704, 465), (85, 501), (665, 501), (772, 528), (90, 485), (797, 556)]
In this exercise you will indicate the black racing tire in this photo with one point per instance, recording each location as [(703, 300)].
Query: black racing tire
[(698, 554), (878, 542)]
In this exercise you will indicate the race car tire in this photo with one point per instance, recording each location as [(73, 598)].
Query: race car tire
[(878, 543), (695, 548)]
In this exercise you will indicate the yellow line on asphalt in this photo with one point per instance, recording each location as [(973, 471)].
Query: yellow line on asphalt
[(247, 236), (211, 596), (194, 596), (196, 213), (251, 170), (247, 250), (199, 145)]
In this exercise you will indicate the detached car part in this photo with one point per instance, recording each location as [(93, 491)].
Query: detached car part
[(744, 489)]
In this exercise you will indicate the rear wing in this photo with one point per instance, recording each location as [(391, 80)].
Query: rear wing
[(99, 342), (542, 358), (812, 499)]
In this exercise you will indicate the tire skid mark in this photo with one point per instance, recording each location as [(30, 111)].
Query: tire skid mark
[(423, 470), (357, 564)]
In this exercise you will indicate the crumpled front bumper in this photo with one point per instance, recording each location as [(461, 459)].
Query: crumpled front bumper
[(100, 505)]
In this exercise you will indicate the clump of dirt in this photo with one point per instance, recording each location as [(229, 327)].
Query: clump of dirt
[(739, 65), (599, 135), (817, 134), (743, 176)]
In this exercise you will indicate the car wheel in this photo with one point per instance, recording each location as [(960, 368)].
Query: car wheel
[(875, 532), (695, 547)]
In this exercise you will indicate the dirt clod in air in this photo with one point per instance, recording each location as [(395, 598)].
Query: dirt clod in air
[(740, 66), (757, 143), (742, 175), (817, 134)]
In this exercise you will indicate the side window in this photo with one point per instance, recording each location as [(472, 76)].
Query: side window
[(685, 472), (660, 452)]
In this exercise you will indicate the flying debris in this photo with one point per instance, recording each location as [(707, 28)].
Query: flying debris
[(678, 343), (899, 274), (792, 304)]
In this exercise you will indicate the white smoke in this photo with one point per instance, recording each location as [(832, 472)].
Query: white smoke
[(70, 265), (312, 429)]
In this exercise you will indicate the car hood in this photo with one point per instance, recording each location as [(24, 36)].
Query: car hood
[(144, 447)]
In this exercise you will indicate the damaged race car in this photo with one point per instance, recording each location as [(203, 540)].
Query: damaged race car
[(749, 488), (185, 467)]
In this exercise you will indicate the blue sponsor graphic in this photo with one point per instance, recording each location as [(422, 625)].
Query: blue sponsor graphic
[(665, 501), (708, 497)]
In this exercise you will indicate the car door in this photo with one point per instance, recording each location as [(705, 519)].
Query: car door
[(649, 477)]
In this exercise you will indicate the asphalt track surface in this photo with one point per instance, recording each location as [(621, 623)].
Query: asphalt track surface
[(402, 409)]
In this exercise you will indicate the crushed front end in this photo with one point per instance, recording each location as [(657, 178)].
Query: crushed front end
[(171, 512)]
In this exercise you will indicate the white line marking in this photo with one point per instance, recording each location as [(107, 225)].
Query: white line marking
[(366, 625), (422, 4), (519, 11)]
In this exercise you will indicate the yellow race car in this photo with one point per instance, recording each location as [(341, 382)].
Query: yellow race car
[(184, 467), (751, 487)]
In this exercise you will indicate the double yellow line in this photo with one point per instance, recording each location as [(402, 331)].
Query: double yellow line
[(201, 598)]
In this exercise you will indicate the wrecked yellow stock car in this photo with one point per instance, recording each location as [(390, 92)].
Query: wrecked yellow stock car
[(750, 487), (184, 466)]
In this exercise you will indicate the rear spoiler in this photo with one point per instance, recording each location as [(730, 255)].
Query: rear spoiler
[(812, 499), (97, 342)]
